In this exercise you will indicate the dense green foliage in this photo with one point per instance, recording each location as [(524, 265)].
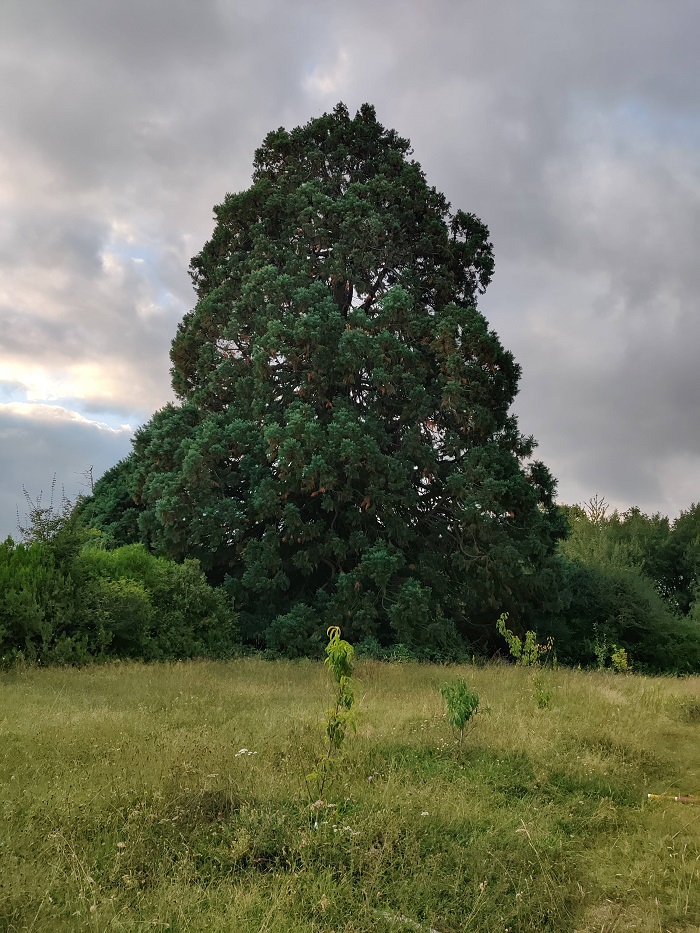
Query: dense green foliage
[(65, 599), (631, 580), (112, 507), (668, 553), (342, 450), (37, 601)]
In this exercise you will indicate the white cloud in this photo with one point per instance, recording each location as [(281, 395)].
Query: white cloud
[(56, 413)]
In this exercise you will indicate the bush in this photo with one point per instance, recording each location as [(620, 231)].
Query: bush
[(296, 633), (38, 601), (620, 606), (155, 608), (93, 604), (120, 614)]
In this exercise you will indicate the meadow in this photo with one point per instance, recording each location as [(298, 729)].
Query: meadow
[(172, 797)]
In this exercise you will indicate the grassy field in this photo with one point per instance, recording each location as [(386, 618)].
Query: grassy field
[(172, 798)]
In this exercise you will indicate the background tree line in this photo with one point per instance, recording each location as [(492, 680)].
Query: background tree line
[(633, 580), (73, 593)]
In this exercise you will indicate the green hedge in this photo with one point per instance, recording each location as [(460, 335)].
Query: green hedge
[(100, 604)]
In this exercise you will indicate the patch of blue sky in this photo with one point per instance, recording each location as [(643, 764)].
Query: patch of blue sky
[(170, 303), (634, 119), (146, 260), (142, 256), (13, 391), (676, 125), (118, 419), (127, 249)]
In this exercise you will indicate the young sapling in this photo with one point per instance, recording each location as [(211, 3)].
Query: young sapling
[(462, 704), (339, 717)]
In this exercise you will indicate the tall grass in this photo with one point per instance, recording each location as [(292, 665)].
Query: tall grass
[(172, 797)]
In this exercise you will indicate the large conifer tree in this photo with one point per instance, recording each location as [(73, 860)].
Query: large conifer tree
[(343, 450)]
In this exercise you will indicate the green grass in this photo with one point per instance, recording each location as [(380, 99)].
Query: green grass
[(126, 804)]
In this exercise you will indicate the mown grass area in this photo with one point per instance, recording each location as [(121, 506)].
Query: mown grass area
[(127, 803)]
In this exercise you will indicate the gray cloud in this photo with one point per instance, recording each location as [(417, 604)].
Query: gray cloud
[(51, 441), (572, 129)]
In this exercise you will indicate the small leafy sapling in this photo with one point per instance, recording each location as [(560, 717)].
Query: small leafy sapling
[(527, 652), (600, 648), (339, 717), (462, 704), (604, 652), (542, 690), (619, 660)]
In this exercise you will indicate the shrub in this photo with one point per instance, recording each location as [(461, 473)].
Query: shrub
[(121, 615), (38, 601), (462, 704), (155, 608), (93, 604), (626, 607), (295, 634)]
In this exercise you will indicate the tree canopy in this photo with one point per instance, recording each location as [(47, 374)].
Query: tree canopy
[(342, 450), (633, 581)]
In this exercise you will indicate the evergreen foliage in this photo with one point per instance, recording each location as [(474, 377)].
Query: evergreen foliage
[(112, 506), (37, 600), (342, 448)]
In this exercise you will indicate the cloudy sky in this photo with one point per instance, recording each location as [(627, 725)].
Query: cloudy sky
[(571, 128)]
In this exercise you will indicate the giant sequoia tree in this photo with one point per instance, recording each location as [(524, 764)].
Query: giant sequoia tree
[(343, 450)]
